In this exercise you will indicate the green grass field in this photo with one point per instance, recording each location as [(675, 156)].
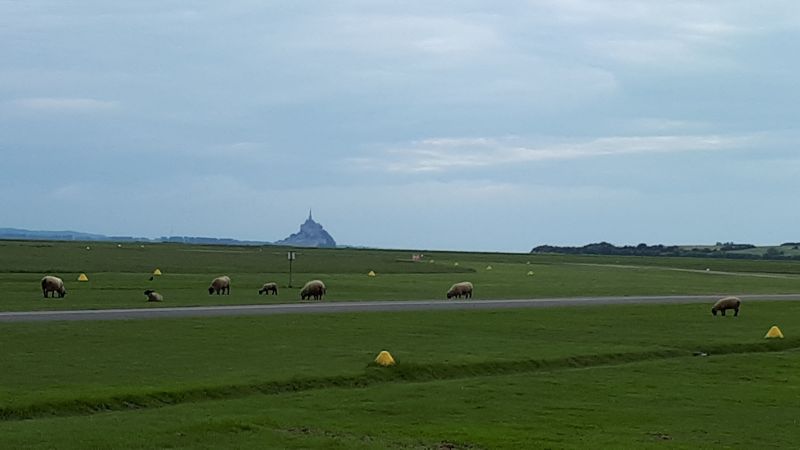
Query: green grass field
[(119, 275), (584, 376), (573, 377)]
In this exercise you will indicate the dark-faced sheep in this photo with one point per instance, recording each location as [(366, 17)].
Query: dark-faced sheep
[(726, 303), (54, 285), (457, 290), (153, 296), (220, 285), (313, 289), (267, 288)]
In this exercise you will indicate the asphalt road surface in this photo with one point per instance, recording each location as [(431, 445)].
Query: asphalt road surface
[(361, 306)]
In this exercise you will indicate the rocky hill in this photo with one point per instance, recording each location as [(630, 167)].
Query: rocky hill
[(311, 234)]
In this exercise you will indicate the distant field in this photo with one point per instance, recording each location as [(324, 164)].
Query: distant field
[(119, 275), (598, 377)]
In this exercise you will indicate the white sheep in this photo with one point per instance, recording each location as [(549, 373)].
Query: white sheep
[(726, 303), (220, 285), (457, 290), (54, 285), (269, 287), (153, 296), (315, 289)]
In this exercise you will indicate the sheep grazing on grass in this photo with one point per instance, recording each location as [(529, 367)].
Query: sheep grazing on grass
[(153, 296), (54, 285), (220, 285), (313, 289), (267, 288), (726, 303), (457, 290)]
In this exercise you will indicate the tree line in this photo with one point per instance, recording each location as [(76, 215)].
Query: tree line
[(720, 250)]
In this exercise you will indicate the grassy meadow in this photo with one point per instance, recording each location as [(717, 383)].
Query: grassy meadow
[(610, 376), (119, 274), (623, 376)]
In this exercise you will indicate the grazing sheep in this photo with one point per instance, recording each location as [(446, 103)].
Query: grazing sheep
[(269, 287), (153, 296), (220, 285), (725, 304), (54, 285), (457, 290), (315, 289)]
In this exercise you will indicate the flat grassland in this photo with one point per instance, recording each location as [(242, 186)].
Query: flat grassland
[(119, 275), (634, 376)]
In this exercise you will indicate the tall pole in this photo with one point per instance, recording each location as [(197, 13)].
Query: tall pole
[(290, 256)]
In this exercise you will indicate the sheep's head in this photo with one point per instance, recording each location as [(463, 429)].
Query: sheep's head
[(148, 292), (210, 290), (713, 311), (450, 294)]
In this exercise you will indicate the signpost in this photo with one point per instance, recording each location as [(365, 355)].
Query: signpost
[(290, 256)]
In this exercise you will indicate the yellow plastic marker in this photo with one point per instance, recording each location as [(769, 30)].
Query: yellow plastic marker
[(773, 333), (83, 277), (157, 272), (384, 359), (488, 267), (530, 273), (371, 273)]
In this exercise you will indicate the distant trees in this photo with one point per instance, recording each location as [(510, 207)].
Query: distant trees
[(721, 250), (730, 246), (604, 248)]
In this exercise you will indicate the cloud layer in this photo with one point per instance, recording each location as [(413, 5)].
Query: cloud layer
[(559, 121)]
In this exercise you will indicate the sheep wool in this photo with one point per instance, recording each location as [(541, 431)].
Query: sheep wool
[(725, 304), (269, 287), (457, 290), (153, 296), (313, 289), (53, 285), (220, 285)]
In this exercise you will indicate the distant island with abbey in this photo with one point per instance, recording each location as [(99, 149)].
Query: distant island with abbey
[(311, 234)]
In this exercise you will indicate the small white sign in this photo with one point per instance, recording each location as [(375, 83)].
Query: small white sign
[(290, 256)]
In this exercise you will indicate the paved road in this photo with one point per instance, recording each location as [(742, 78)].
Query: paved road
[(364, 306)]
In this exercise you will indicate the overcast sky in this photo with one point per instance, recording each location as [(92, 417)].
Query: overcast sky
[(464, 124)]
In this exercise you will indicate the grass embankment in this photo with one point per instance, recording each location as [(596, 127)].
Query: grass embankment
[(737, 401), (118, 276), (511, 358)]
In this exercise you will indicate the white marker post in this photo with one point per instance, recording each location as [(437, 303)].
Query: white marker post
[(291, 257)]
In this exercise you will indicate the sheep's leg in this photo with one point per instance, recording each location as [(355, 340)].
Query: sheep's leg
[(723, 312), (736, 312)]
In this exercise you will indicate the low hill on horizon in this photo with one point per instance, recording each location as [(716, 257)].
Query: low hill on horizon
[(69, 235)]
